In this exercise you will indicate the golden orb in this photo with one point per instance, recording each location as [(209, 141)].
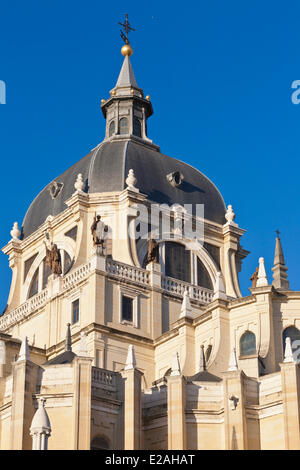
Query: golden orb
[(113, 92), (127, 50), (132, 91), (102, 101), (148, 98)]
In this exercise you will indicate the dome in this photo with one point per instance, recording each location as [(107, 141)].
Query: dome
[(105, 169)]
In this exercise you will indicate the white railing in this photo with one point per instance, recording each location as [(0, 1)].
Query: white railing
[(114, 269), (76, 276), (23, 310), (126, 271), (177, 287), (103, 377)]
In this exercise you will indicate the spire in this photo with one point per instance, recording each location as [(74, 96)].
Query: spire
[(186, 309), (262, 279), (126, 110), (202, 362), (288, 353), (233, 363), (279, 269), (126, 77), (68, 343), (24, 354), (175, 365), (130, 361)]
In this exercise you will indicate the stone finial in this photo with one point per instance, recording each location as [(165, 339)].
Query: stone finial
[(219, 289), (24, 354), (202, 361), (79, 183), (230, 216), (131, 181), (83, 344), (262, 279), (130, 361), (288, 353), (233, 363), (175, 365), (186, 309), (68, 342), (15, 232), (279, 269), (40, 428)]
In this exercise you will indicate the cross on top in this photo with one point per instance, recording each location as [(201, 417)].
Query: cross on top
[(278, 233), (127, 28)]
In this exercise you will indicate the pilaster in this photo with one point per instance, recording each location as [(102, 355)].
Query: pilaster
[(82, 403), (290, 375), (234, 411), (176, 413), (25, 375), (132, 409)]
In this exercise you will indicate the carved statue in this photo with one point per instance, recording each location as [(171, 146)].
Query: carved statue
[(98, 230), (253, 278), (53, 259), (153, 252)]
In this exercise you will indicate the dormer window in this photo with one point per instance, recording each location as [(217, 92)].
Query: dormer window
[(112, 128), (175, 178), (124, 128)]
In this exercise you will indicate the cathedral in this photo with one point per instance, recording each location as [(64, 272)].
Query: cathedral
[(125, 327)]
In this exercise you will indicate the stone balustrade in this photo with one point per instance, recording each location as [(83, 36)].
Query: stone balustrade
[(114, 269), (103, 377), (132, 273)]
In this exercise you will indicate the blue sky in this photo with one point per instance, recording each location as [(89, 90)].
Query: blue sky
[(219, 75)]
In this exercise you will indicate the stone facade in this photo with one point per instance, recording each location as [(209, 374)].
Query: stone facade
[(205, 367)]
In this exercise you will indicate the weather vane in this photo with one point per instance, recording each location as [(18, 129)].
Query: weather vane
[(278, 233), (127, 28)]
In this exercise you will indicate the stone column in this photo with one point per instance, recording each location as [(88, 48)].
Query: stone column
[(290, 396), (132, 409), (176, 413), (234, 411), (82, 403)]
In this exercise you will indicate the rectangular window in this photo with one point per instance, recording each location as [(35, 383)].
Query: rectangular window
[(75, 311), (127, 309)]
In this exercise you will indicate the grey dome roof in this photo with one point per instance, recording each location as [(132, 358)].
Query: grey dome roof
[(106, 168)]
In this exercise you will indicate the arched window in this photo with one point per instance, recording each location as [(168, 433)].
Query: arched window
[(137, 128), (203, 277), (112, 128), (247, 344), (293, 333), (41, 275), (100, 443), (124, 128), (177, 261), (34, 287)]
